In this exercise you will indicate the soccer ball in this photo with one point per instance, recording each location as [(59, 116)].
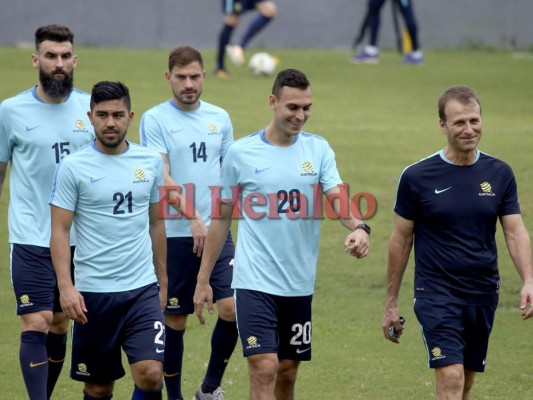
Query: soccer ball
[(263, 64)]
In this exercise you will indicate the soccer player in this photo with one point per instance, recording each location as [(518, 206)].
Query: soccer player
[(232, 9), (447, 205), (370, 52), (192, 137), (109, 189), (278, 171), (38, 128)]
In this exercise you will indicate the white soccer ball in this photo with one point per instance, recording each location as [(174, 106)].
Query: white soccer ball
[(262, 64)]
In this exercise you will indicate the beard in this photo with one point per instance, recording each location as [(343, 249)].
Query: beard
[(57, 88)]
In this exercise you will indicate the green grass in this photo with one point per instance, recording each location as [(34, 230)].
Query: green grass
[(378, 119)]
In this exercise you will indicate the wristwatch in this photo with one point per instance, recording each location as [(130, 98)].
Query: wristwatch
[(364, 227)]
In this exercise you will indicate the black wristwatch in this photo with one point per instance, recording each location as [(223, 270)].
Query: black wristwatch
[(364, 227)]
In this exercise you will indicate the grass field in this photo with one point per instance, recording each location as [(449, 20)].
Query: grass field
[(378, 119)]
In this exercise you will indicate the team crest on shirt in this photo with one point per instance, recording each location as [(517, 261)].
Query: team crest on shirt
[(252, 342), (25, 301), (79, 125), (486, 189), (140, 176), (308, 169), (213, 129)]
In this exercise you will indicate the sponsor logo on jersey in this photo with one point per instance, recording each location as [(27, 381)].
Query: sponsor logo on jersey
[(140, 176), (308, 169), (486, 189), (439, 191)]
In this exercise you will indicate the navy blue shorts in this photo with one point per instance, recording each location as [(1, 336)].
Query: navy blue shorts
[(238, 6), (182, 270), (130, 320), (274, 324), (34, 279), (455, 333)]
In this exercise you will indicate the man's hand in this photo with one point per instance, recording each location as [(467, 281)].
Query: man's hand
[(357, 243), (199, 233), (203, 294), (73, 305)]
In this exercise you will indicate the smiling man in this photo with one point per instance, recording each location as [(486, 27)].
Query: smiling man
[(276, 257), (38, 128), (448, 205)]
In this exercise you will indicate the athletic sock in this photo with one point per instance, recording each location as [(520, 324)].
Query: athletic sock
[(34, 363), (139, 394), (173, 362), (223, 40), (87, 397), (256, 25), (223, 342), (56, 347)]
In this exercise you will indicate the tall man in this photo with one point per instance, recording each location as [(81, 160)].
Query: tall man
[(39, 127), (280, 173), (110, 190), (232, 9), (448, 205), (192, 137)]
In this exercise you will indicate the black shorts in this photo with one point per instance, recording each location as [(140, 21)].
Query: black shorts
[(455, 333), (130, 320), (238, 6), (274, 324), (182, 270), (34, 279)]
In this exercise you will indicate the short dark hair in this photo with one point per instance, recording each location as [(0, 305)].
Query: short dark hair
[(53, 32), (462, 94), (291, 78), (105, 90), (184, 55)]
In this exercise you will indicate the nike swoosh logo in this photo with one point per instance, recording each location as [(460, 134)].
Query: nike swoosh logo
[(55, 361), (176, 130), (93, 180), (258, 171), (437, 191), (34, 364), (31, 128), (158, 350), (300, 351), (170, 375)]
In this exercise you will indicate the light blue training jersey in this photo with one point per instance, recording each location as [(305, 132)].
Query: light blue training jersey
[(278, 237), (35, 136), (110, 196), (195, 142)]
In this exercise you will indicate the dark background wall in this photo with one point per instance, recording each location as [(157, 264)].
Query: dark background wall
[(301, 23)]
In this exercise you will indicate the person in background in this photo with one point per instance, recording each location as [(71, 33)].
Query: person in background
[(38, 128), (448, 205), (232, 9), (369, 54)]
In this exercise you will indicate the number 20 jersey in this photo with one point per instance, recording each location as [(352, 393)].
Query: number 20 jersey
[(278, 236), (35, 136)]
